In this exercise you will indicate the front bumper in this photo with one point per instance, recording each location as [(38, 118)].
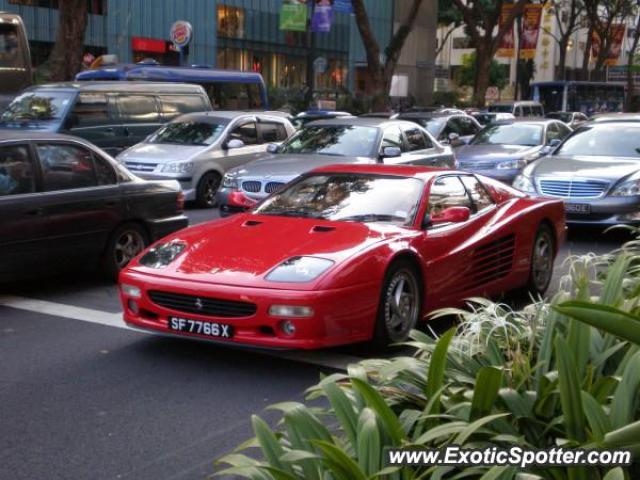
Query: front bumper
[(233, 201), (334, 322), (188, 184), (607, 211)]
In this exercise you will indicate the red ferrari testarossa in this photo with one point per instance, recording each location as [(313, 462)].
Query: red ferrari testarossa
[(343, 254)]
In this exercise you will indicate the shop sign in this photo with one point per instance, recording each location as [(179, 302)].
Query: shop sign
[(181, 33)]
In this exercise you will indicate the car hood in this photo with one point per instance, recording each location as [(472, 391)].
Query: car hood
[(160, 153), (604, 168), (484, 153), (241, 250), (292, 165)]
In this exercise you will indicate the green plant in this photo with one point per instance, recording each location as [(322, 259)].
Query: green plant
[(562, 373)]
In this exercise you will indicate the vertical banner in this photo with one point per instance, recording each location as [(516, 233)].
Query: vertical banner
[(322, 16), (531, 18), (615, 48), (507, 43), (293, 15), (342, 6)]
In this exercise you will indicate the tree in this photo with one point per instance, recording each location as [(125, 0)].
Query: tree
[(602, 15), (567, 15), (467, 73), (630, 62), (381, 72), (449, 17), (65, 60), (481, 19)]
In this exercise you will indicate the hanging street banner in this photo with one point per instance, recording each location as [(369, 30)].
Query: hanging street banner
[(617, 39), (507, 44), (342, 6), (531, 18), (322, 16), (293, 15)]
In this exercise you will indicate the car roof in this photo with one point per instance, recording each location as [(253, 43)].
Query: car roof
[(230, 115), (9, 135), (360, 122), (424, 173), (615, 117), (431, 115), (119, 86), (322, 113), (532, 121)]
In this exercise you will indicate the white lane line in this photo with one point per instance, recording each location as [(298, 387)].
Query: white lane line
[(331, 360)]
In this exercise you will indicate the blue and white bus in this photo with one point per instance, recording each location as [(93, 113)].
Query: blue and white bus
[(227, 89), (574, 96)]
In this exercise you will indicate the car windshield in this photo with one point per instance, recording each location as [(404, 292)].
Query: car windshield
[(338, 140), (433, 125), (37, 106), (188, 133), (510, 134), (501, 108), (603, 140), (562, 116), (348, 197)]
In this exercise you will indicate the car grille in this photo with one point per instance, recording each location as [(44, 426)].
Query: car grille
[(273, 186), (476, 165), (202, 305), (573, 188), (252, 186), (141, 167)]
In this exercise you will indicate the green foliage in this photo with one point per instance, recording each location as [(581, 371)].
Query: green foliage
[(466, 74), (563, 372)]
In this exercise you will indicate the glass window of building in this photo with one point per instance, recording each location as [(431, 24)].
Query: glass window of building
[(230, 21), (96, 7)]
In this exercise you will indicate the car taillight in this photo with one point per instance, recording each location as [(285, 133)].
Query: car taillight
[(180, 202)]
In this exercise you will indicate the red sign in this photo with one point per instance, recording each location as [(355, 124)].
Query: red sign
[(531, 18), (507, 42), (615, 48), (151, 45)]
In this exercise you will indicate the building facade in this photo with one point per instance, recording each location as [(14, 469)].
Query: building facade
[(231, 34)]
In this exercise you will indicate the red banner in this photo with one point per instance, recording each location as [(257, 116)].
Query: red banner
[(507, 43), (531, 18), (617, 39)]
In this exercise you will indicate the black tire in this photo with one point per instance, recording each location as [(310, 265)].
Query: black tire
[(394, 322), (206, 190), (125, 243), (542, 259)]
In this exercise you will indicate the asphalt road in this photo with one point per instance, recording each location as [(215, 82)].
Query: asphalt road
[(81, 397)]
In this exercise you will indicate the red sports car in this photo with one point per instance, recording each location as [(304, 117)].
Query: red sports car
[(344, 254)]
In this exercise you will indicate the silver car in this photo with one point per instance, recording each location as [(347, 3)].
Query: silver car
[(327, 142), (197, 149), (596, 171)]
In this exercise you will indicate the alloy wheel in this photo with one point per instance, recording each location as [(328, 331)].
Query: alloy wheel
[(401, 305), (127, 246), (542, 261)]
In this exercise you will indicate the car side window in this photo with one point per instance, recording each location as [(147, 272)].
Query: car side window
[(393, 138), (246, 132), (563, 130), (272, 132), (552, 132), (105, 174), (176, 105), (478, 193), (66, 166), (452, 127), (416, 139), (447, 192), (467, 127), (16, 171), (138, 109), (91, 109)]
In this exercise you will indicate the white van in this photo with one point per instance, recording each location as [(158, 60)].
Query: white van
[(522, 108)]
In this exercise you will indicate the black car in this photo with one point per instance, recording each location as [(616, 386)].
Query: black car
[(453, 129), (64, 202)]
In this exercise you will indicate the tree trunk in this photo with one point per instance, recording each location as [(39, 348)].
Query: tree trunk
[(66, 57), (587, 55), (562, 61), (483, 66)]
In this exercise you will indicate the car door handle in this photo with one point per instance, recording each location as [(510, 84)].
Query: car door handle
[(109, 129), (126, 132), (36, 212)]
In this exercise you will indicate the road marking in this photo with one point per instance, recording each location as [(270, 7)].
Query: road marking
[(331, 360)]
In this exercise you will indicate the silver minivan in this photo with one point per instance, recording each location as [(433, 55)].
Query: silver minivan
[(197, 149), (519, 109)]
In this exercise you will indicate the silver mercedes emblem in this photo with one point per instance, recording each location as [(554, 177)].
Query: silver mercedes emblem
[(199, 304)]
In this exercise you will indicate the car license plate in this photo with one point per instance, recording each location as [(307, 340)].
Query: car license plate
[(578, 208), (216, 330)]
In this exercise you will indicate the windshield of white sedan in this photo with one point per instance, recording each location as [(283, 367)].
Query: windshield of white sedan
[(612, 140), (510, 134), (188, 133), (348, 197), (339, 140)]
